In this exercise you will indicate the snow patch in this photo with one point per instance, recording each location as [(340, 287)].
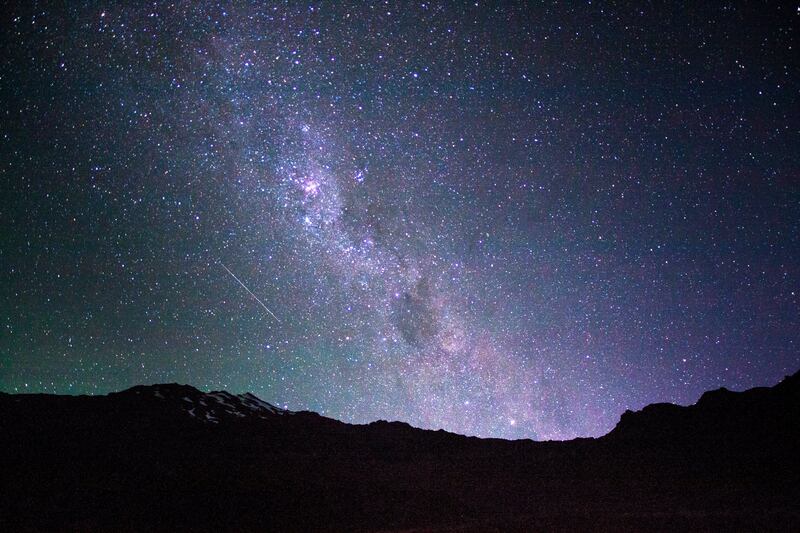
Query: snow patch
[(216, 406)]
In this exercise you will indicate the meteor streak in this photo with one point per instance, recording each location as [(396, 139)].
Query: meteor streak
[(251, 293)]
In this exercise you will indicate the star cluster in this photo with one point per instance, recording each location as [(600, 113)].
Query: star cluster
[(496, 219)]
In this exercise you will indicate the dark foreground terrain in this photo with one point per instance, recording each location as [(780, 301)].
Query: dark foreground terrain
[(169, 457)]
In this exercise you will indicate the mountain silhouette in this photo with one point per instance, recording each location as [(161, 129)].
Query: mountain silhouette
[(170, 457)]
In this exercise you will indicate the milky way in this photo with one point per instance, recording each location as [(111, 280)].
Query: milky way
[(500, 221)]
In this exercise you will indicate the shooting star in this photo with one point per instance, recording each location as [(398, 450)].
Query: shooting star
[(251, 293)]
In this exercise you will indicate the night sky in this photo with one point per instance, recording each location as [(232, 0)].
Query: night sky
[(501, 221)]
